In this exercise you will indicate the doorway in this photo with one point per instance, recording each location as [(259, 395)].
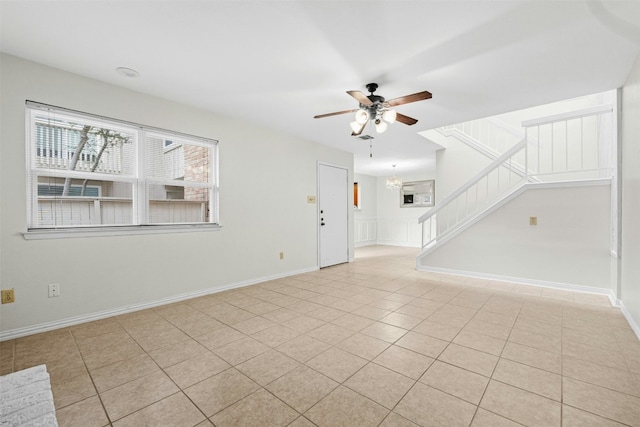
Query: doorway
[(333, 215)]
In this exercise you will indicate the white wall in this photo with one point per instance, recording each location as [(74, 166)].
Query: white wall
[(516, 118), (456, 164), (630, 241), (570, 244), (399, 226), (265, 178), (382, 221)]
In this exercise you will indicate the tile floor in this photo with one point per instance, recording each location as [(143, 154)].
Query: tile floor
[(371, 343)]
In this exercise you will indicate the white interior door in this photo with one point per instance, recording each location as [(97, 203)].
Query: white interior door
[(333, 215)]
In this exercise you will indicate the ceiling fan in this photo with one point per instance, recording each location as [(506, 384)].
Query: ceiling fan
[(376, 109)]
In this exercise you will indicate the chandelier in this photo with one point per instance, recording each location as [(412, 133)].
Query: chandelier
[(394, 182)]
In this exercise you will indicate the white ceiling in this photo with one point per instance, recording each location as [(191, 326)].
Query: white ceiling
[(280, 63)]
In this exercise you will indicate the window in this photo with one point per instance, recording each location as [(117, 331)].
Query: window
[(356, 196), (92, 172)]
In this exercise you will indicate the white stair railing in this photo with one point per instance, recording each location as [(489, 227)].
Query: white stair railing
[(563, 147), (491, 136), (571, 146), (475, 195)]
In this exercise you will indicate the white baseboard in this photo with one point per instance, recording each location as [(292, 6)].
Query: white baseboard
[(524, 281), (544, 284), (386, 243), (365, 243), (76, 320), (634, 326), (403, 244)]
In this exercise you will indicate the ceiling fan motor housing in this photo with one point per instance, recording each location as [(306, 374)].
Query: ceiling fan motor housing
[(376, 100), (376, 107)]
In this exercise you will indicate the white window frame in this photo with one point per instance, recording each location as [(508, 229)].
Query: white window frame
[(137, 179)]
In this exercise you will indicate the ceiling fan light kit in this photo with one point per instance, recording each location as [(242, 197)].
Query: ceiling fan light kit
[(362, 116), (380, 125), (355, 126), (374, 108), (389, 116)]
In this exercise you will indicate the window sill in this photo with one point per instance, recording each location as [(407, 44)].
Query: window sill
[(67, 233)]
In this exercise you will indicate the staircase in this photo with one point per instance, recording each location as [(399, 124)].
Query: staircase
[(568, 147), (490, 136)]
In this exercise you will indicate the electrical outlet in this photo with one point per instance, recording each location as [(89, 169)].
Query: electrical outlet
[(533, 220), (281, 255), (8, 296), (54, 290)]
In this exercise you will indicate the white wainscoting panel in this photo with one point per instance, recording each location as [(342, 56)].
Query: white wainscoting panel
[(399, 232), (365, 232), (389, 231)]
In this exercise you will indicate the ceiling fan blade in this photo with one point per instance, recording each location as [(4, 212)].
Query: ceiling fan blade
[(406, 119), (407, 99), (360, 97), (319, 116), (361, 129)]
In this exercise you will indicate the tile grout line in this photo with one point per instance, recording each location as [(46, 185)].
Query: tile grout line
[(475, 413), (380, 290), (75, 342)]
